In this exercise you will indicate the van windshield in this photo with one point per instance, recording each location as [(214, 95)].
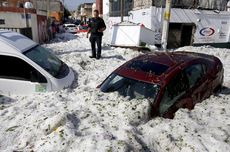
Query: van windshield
[(47, 61)]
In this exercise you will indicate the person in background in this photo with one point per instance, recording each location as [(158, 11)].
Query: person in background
[(53, 28), (96, 28), (20, 4)]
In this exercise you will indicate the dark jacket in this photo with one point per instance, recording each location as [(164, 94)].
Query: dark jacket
[(95, 24)]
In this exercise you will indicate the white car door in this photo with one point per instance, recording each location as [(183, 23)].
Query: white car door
[(18, 77), (10, 86)]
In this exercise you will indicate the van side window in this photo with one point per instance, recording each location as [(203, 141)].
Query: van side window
[(176, 88), (17, 69), (195, 73)]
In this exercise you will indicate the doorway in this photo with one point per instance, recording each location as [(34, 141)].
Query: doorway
[(180, 34)]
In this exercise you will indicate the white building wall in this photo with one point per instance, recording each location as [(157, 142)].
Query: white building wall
[(17, 19), (34, 25), (142, 16), (105, 7), (206, 21)]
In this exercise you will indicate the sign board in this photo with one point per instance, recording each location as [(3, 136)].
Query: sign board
[(218, 32)]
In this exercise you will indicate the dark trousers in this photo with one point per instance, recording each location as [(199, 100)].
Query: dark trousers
[(93, 40)]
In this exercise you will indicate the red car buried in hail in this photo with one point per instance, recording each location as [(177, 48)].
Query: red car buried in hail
[(169, 80)]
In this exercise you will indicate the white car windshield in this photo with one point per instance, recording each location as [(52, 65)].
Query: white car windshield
[(47, 61), (129, 87)]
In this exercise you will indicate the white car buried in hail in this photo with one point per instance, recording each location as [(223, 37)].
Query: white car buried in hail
[(27, 67), (70, 28)]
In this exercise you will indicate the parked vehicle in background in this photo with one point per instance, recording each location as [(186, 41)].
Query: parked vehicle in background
[(168, 80), (27, 67), (70, 28), (77, 22), (82, 29)]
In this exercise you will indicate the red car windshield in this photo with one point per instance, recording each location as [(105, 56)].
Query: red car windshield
[(147, 66), (129, 87)]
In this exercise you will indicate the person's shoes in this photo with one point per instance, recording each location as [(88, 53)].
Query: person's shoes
[(92, 56), (98, 57)]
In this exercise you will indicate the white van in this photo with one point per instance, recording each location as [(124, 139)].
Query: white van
[(27, 67)]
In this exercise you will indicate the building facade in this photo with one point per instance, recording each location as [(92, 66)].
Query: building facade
[(185, 4), (139, 4), (86, 11), (115, 7), (32, 22)]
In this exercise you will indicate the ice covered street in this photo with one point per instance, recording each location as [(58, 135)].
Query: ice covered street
[(82, 118)]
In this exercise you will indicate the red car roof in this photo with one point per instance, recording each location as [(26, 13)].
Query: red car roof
[(152, 68)]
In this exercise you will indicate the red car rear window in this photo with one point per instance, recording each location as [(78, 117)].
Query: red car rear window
[(147, 66)]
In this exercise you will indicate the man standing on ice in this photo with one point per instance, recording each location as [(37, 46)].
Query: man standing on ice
[(96, 28)]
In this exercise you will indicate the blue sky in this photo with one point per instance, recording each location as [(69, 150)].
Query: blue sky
[(72, 4)]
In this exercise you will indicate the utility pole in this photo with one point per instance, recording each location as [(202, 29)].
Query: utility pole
[(122, 10), (167, 14)]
